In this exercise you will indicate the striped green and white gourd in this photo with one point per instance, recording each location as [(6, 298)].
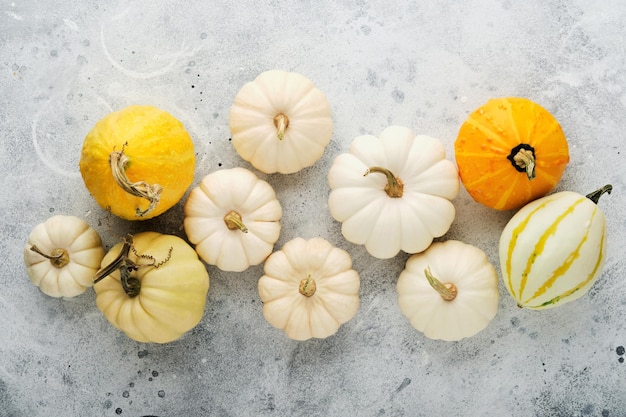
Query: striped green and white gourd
[(552, 250)]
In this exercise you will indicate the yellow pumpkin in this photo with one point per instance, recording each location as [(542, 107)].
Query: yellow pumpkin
[(152, 286), (137, 162)]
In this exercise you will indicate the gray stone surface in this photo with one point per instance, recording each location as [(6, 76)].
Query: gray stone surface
[(424, 65)]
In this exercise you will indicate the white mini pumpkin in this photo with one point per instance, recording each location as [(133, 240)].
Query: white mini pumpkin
[(280, 122), (62, 256), (552, 250), (309, 289), (233, 219), (393, 192), (450, 291)]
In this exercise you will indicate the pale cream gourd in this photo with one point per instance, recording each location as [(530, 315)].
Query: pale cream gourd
[(393, 192), (309, 289), (233, 219), (280, 122), (553, 249), (62, 256), (450, 291), (152, 287)]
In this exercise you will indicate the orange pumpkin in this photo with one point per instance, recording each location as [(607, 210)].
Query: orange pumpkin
[(510, 151), (137, 162)]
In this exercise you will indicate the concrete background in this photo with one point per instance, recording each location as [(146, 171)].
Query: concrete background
[(424, 65)]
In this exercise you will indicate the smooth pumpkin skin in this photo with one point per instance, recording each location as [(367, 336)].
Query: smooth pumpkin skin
[(172, 297), (458, 263), (553, 250), (160, 151), (486, 139)]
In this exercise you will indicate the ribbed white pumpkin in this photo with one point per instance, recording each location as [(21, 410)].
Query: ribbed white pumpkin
[(62, 255), (280, 122), (309, 288), (552, 250), (393, 192), (233, 218)]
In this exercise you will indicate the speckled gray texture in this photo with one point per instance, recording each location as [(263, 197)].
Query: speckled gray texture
[(424, 65)]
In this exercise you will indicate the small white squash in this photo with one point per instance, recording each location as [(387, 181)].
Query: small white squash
[(280, 122), (552, 250), (62, 256), (450, 291), (233, 218), (393, 192), (309, 289)]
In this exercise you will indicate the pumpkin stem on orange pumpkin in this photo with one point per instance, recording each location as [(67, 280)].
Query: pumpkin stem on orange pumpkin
[(447, 291), (151, 192), (234, 221), (523, 159), (58, 257), (307, 286), (281, 121), (394, 187), (595, 196)]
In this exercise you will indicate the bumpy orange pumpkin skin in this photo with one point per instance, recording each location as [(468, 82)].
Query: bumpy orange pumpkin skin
[(160, 153), (489, 142)]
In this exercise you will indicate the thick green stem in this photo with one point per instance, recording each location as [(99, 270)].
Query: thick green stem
[(58, 257), (447, 291), (307, 286), (394, 187), (595, 196)]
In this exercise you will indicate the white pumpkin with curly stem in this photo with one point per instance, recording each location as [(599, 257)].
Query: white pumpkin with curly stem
[(393, 192), (450, 291)]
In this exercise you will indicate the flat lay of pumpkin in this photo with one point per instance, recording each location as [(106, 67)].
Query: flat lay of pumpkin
[(390, 192)]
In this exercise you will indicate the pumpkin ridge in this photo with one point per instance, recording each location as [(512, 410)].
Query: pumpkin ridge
[(86, 252), (487, 177), (540, 245), (319, 303), (564, 267), (513, 125), (398, 232), (514, 179), (544, 135), (483, 127), (363, 208), (256, 187), (409, 179), (300, 107), (301, 137), (418, 217)]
